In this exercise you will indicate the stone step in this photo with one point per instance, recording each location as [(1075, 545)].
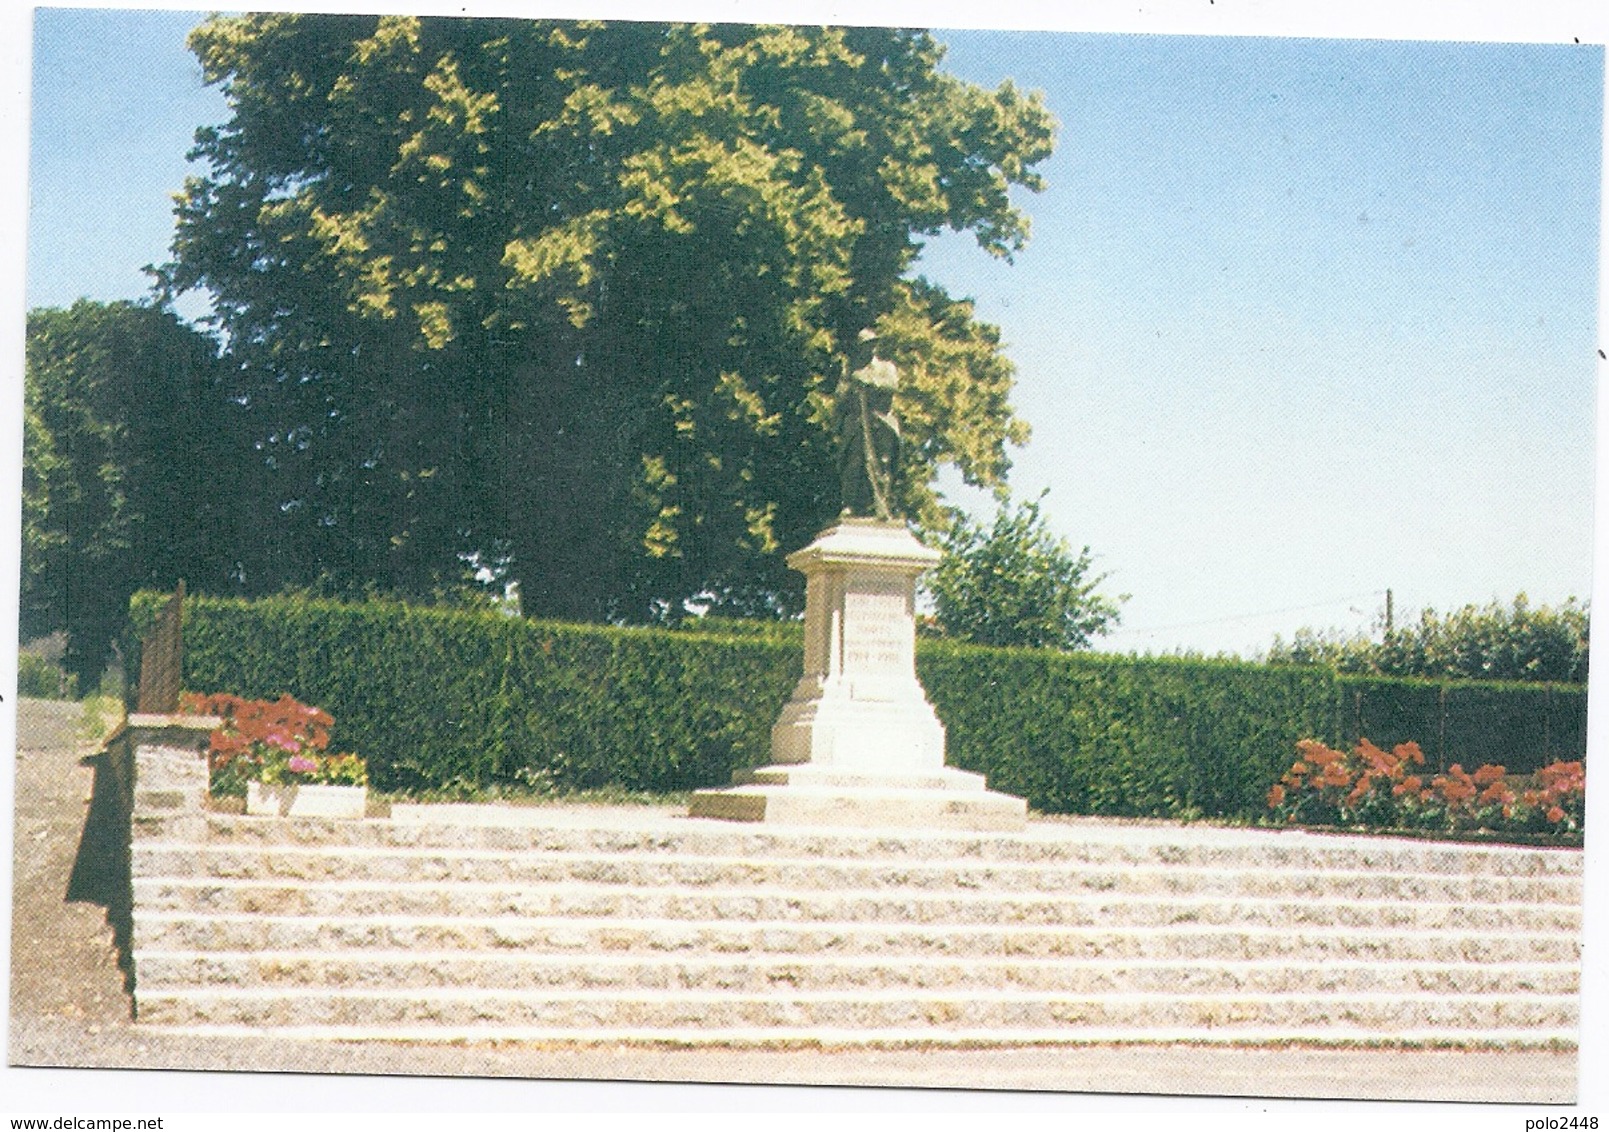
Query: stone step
[(863, 807), (176, 931), (479, 866), (492, 923), (501, 829), (587, 1010), (397, 969), (739, 905), (871, 1038)]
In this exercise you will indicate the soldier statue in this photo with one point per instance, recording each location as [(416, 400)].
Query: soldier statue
[(868, 431)]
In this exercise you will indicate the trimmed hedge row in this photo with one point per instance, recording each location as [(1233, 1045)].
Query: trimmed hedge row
[(441, 698), (1521, 727), (438, 698), (1090, 733)]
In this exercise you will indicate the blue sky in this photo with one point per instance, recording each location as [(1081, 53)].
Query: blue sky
[(1303, 320), (1300, 320)]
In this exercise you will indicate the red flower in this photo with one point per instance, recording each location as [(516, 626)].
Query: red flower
[(1335, 775), (1323, 756), (1377, 759), (1497, 792)]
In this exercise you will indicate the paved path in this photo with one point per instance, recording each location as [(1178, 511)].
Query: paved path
[(69, 1006)]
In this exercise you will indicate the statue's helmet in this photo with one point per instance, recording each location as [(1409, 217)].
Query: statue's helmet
[(879, 373)]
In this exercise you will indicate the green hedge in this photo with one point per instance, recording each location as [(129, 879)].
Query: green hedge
[(1471, 722), (440, 698), (1096, 734), (437, 697)]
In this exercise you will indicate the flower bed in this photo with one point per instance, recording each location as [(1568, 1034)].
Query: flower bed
[(1387, 791), (269, 749)]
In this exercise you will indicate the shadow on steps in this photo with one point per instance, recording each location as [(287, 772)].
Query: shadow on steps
[(101, 869)]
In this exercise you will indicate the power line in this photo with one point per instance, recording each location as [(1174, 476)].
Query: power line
[(1247, 616)]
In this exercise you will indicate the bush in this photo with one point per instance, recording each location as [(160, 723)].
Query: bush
[(1388, 790), (276, 742), (456, 700), (449, 699), (1492, 642), (1099, 734), (442, 698), (43, 680), (1018, 583), (1473, 722)]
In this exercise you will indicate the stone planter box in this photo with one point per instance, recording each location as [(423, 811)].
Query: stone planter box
[(306, 800)]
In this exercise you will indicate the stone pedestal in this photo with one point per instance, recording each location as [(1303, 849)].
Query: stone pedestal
[(859, 743), (170, 762)]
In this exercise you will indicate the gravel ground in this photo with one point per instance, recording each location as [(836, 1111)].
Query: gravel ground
[(70, 1007)]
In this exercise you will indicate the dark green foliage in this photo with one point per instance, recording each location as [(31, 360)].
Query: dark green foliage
[(39, 678), (1017, 583), (1097, 734), (129, 469), (1493, 642), (1519, 726), (455, 699), (436, 697)]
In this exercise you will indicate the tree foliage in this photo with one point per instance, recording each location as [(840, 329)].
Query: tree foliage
[(1017, 583), (1491, 642), (128, 470), (571, 299)]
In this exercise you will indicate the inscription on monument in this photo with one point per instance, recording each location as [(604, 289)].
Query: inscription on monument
[(876, 632)]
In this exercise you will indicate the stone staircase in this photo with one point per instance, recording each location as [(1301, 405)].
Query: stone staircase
[(614, 926)]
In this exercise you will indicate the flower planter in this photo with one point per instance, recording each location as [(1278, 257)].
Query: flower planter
[(306, 800)]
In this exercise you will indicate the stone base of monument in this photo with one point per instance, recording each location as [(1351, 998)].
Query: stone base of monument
[(809, 795), (858, 744)]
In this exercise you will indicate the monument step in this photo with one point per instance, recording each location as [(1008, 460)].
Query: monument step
[(830, 777), (828, 1038), (577, 900), (345, 864), (863, 807), (588, 1010), (632, 934), (510, 829), (375, 969)]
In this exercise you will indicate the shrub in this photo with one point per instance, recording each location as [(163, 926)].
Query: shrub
[(1524, 726), (1380, 789), (1493, 642), (459, 699), (1018, 583), (1560, 795), (465, 700), (1093, 733), (37, 677), (276, 743)]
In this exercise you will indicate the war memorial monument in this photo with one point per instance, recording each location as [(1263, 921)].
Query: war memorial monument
[(858, 743)]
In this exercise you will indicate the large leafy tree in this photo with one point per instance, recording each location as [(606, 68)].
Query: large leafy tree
[(130, 470), (571, 300)]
